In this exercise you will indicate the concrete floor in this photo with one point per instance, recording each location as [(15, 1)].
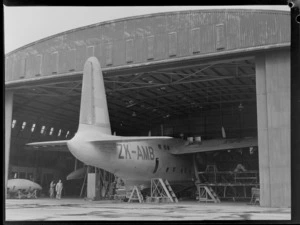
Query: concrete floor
[(79, 209)]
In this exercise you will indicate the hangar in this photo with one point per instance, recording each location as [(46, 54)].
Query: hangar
[(187, 72)]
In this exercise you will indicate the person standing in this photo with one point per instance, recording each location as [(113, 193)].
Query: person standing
[(52, 185), (59, 187)]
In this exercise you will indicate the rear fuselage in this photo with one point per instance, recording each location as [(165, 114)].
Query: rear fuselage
[(136, 162)]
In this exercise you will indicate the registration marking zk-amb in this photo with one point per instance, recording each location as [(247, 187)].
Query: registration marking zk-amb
[(142, 153)]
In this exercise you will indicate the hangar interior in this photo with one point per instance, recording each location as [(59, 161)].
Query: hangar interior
[(187, 74), (180, 101)]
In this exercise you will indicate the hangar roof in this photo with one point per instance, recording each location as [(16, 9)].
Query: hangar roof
[(155, 66)]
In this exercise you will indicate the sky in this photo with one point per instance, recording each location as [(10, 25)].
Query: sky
[(24, 25)]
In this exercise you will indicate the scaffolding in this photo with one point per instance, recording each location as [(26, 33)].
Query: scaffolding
[(213, 185)]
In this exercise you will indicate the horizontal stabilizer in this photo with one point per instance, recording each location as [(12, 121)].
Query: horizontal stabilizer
[(131, 139), (77, 174), (216, 145), (60, 146)]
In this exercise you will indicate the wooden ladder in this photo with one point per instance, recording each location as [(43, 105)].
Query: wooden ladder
[(136, 195), (162, 191), (207, 194), (171, 192)]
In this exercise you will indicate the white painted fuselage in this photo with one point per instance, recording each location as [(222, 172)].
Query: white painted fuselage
[(136, 162)]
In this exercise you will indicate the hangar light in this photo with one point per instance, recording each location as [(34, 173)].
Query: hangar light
[(13, 124), (43, 129), (33, 127), (23, 125)]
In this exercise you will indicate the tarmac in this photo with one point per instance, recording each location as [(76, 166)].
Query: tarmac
[(66, 209)]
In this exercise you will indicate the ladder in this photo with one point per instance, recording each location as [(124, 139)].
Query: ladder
[(207, 194), (162, 191), (136, 195)]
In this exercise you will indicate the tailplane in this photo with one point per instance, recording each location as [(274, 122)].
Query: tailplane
[(93, 108)]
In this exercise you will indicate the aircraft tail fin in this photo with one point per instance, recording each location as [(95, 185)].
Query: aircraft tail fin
[(93, 107)]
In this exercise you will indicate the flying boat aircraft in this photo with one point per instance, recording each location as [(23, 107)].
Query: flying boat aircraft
[(136, 160)]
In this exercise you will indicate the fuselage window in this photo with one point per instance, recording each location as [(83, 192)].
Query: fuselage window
[(184, 170), (168, 147), (167, 169), (67, 134), (174, 168), (165, 147), (181, 170), (59, 132), (13, 124), (159, 146), (190, 171)]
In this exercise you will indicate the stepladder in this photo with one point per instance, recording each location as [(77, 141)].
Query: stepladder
[(161, 191), (207, 194), (136, 195)]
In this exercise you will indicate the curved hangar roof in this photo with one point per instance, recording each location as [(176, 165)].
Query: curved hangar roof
[(149, 63), (149, 39)]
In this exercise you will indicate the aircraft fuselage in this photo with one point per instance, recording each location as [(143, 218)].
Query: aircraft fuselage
[(136, 162)]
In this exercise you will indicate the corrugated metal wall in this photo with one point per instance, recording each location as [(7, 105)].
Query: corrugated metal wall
[(149, 38)]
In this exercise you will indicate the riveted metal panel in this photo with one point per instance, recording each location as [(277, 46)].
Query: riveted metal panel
[(66, 61), (119, 52), (108, 32), (108, 53), (233, 31), (99, 49), (33, 66), (197, 33), (90, 51), (80, 57), (183, 38), (159, 24), (129, 29), (39, 63), (129, 50), (246, 29), (160, 46), (171, 23), (184, 21), (140, 50), (150, 47), (195, 40), (71, 63), (9, 67), (172, 43), (54, 62), (207, 39), (220, 36), (17, 68), (46, 69)]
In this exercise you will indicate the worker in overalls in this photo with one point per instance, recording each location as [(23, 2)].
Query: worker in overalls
[(51, 191), (59, 187)]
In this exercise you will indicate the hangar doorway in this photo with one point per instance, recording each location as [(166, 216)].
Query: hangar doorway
[(182, 100)]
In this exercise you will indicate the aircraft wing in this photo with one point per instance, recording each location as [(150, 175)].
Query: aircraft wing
[(216, 145), (60, 146)]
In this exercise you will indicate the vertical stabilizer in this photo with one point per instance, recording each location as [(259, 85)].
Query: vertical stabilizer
[(93, 107)]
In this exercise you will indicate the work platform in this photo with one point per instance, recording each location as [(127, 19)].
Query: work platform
[(226, 185)]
